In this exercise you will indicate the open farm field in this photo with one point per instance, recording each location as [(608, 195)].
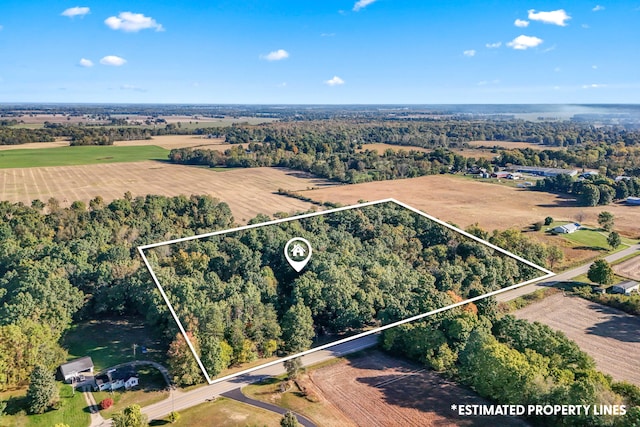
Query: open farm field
[(629, 268), (84, 155), (167, 142), (608, 335), (513, 145), (465, 202), (466, 152), (247, 191), (380, 390), (180, 141)]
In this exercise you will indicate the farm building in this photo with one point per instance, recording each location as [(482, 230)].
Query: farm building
[(540, 171), (119, 379), (566, 229), (634, 201), (72, 369), (625, 287), (501, 174)]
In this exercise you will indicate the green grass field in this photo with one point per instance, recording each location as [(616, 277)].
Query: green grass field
[(110, 342), (73, 411), (224, 413), (82, 155)]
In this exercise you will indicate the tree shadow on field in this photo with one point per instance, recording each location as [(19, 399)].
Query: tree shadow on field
[(428, 392), (619, 326), (561, 201), (411, 385)]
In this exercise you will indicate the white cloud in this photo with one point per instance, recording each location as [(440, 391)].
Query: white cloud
[(593, 86), (556, 17), (595, 67), (132, 87), (524, 42), (487, 82), (557, 69), (283, 84), (76, 11), (521, 23), (85, 62), (335, 81), (493, 45), (132, 22), (113, 60), (598, 8), (469, 53), (327, 34), (361, 4), (276, 55)]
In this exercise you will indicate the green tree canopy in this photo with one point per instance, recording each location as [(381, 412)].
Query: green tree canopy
[(43, 390), (601, 272)]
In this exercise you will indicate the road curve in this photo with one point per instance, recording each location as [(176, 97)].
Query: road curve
[(179, 400)]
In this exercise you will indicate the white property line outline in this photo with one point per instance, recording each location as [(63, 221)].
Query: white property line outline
[(141, 249)]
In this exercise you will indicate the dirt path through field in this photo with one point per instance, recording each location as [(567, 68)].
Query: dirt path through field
[(608, 335)]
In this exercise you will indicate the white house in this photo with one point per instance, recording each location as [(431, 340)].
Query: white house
[(566, 229), (117, 380)]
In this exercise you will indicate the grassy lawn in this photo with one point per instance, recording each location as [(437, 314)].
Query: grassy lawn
[(83, 155), (152, 389), (583, 278), (73, 412), (110, 342), (223, 413), (594, 240)]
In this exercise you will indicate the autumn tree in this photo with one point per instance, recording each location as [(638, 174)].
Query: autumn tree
[(293, 367), (182, 364)]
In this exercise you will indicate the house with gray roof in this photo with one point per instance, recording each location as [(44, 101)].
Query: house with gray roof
[(73, 368)]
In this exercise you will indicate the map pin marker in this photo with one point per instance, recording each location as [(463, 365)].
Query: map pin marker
[(297, 251)]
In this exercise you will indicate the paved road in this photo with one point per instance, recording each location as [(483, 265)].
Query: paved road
[(566, 275), (179, 400), (236, 394)]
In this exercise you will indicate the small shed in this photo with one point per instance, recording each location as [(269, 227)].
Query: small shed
[(625, 288), (72, 369)]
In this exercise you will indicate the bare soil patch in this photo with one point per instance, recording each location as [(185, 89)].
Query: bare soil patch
[(608, 335), (379, 390), (629, 268), (493, 206), (246, 191)]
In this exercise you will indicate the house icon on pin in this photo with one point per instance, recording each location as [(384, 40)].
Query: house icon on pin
[(298, 250)]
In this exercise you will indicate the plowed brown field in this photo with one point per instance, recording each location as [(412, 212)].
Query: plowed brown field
[(247, 191), (465, 201), (608, 335), (379, 390)]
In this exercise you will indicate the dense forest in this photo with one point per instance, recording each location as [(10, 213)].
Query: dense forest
[(240, 300), (370, 267)]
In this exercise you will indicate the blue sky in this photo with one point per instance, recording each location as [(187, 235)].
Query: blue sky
[(320, 52)]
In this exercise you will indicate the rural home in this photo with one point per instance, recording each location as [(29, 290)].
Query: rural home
[(72, 369), (566, 229), (625, 287), (119, 379)]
